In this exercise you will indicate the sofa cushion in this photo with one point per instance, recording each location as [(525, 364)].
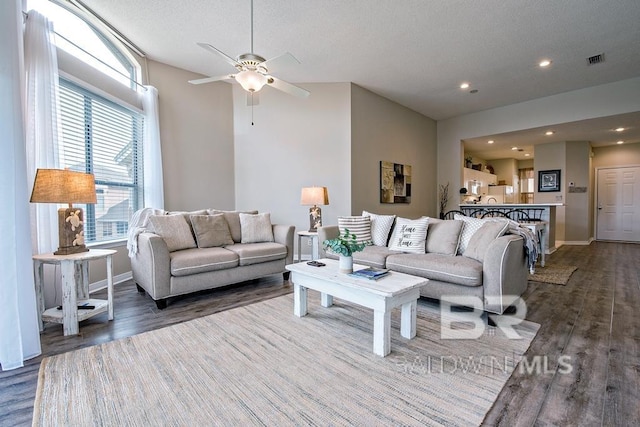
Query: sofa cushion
[(409, 235), (443, 236), (471, 225), (211, 230), (373, 256), (233, 219), (187, 217), (256, 228), (174, 230), (380, 227), (256, 253), (458, 269), (358, 225), (191, 261), (482, 238)]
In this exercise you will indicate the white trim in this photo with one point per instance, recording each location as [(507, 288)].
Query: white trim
[(102, 284), (575, 242)]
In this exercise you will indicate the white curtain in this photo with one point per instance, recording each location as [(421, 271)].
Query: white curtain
[(152, 154), (19, 332), (42, 106)]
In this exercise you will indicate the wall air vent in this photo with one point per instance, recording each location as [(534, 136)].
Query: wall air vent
[(595, 59)]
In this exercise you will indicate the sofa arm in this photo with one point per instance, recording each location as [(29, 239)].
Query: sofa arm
[(283, 234), (325, 233), (504, 273), (151, 266)]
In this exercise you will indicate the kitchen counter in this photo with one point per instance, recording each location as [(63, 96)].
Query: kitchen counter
[(510, 205)]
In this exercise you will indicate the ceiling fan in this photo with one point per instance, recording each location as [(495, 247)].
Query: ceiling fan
[(254, 71)]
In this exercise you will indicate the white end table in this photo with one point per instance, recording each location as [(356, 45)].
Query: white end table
[(313, 235), (75, 288)]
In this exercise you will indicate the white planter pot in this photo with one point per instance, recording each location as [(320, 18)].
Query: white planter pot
[(345, 264)]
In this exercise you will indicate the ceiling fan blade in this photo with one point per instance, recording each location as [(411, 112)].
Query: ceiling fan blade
[(217, 51), (287, 87), (282, 61), (211, 79)]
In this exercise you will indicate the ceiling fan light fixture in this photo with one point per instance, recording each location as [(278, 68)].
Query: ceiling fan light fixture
[(250, 80)]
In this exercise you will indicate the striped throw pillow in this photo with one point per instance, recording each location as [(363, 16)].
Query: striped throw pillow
[(409, 235), (358, 225)]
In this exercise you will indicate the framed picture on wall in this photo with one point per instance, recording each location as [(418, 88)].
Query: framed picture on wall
[(549, 181), (395, 183)]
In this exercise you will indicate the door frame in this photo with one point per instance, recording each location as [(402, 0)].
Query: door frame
[(596, 195)]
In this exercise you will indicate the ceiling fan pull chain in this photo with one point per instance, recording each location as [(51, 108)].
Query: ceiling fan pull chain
[(252, 104)]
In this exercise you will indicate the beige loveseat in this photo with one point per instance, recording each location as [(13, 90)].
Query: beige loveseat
[(494, 269), (191, 251)]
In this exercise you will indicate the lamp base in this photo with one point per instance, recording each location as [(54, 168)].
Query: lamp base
[(315, 218), (70, 231)]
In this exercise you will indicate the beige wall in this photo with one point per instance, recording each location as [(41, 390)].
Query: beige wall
[(384, 130), (293, 143), (578, 218), (196, 130), (616, 155)]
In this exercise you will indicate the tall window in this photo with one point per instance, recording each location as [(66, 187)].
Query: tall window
[(526, 185), (99, 136), (103, 138)]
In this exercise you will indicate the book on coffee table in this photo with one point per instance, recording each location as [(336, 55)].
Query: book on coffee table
[(371, 273)]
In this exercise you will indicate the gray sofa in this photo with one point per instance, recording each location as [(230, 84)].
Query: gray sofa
[(496, 276), (165, 273)]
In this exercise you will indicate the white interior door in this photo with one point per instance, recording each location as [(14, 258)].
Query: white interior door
[(618, 203)]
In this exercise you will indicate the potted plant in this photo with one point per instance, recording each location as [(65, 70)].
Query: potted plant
[(468, 162), (344, 245)]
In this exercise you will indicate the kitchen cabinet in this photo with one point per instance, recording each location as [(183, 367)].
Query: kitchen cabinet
[(477, 182)]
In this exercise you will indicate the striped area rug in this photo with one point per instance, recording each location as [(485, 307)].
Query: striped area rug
[(261, 365)]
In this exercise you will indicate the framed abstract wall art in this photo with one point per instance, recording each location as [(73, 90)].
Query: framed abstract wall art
[(395, 183)]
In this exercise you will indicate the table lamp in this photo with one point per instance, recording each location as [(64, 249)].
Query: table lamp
[(314, 196), (65, 186)]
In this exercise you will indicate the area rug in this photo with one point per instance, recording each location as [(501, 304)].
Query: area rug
[(261, 365), (555, 274)]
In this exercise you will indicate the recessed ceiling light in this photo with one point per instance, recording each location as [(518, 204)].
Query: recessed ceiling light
[(514, 148), (619, 129), (527, 154), (620, 142), (544, 63), (490, 141), (549, 132), (464, 86)]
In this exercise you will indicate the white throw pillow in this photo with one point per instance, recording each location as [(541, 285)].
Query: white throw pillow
[(174, 230), (409, 235), (380, 227), (256, 228), (471, 226), (358, 225)]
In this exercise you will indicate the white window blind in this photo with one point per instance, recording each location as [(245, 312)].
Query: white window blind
[(103, 138)]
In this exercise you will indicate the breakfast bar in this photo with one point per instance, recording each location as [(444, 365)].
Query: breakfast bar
[(547, 214)]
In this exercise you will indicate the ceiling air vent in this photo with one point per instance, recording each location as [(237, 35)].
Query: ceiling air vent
[(595, 59)]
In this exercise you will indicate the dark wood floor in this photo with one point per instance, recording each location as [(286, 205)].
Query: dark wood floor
[(592, 322)]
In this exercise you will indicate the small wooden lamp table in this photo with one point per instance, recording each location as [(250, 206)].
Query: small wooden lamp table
[(75, 288)]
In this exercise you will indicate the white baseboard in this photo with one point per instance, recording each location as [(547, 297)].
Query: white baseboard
[(574, 242), (102, 284)]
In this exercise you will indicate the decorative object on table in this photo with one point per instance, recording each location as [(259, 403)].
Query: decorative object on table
[(344, 245), (395, 183), (463, 191), (314, 196), (468, 162), (443, 197), (66, 186), (549, 181)]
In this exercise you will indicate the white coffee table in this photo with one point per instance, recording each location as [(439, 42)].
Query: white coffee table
[(394, 290)]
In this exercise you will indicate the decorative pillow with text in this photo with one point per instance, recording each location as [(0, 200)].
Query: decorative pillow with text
[(409, 235)]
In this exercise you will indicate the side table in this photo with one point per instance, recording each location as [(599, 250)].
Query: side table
[(313, 235), (75, 288)]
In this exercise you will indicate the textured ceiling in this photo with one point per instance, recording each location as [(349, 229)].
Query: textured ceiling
[(415, 52)]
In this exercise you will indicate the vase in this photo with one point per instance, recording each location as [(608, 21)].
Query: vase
[(345, 264)]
